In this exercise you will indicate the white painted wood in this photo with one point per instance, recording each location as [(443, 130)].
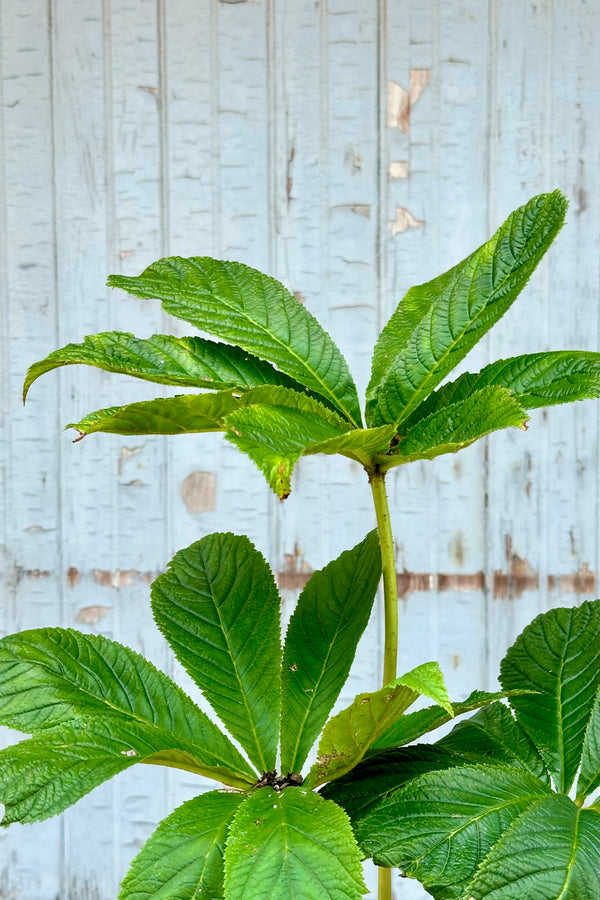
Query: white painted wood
[(351, 150)]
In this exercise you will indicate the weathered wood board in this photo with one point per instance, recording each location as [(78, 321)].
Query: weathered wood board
[(351, 149)]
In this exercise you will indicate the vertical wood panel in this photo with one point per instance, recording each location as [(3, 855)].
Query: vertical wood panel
[(351, 150)]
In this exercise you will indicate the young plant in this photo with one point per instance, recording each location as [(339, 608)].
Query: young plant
[(278, 388), (490, 811)]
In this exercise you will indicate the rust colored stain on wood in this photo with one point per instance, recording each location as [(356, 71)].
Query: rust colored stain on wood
[(73, 576), (120, 578), (411, 582), (582, 582), (296, 571)]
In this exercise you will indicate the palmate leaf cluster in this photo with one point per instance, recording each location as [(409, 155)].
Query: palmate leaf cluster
[(94, 707), (278, 387), (452, 814), (498, 809)]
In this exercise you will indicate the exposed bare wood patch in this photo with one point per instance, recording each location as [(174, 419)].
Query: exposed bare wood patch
[(89, 615), (199, 492), (127, 453), (299, 297), (404, 219), (419, 79), (289, 178), (125, 254), (398, 107), (362, 209), (149, 89), (120, 578), (400, 168), (400, 101)]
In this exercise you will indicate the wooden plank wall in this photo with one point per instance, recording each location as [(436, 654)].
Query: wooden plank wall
[(350, 149)]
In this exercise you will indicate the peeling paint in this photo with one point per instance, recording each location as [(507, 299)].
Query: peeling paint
[(127, 453), (400, 100), (299, 297), (400, 168), (398, 107), (362, 209), (199, 492), (149, 89), (89, 615), (125, 254), (289, 177), (419, 79), (120, 578), (404, 219), (73, 576)]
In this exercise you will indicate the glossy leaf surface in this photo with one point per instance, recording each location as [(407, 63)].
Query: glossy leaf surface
[(494, 735), (436, 324), (440, 826), (165, 359), (218, 607), (534, 380), (244, 307), (551, 852), (352, 732), (292, 845), (331, 614), (557, 655), (183, 858), (170, 415), (274, 426), (50, 676), (453, 427)]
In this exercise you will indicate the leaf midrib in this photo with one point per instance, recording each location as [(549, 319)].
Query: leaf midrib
[(419, 395), (225, 632), (289, 349), (131, 714)]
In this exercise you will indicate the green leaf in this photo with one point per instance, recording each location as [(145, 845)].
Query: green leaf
[(183, 858), (352, 732), (362, 444), (414, 725), (551, 852), (291, 845), (456, 426), (440, 826), (332, 612), (42, 777), (558, 656), (274, 426), (171, 415), (244, 307), (218, 607), (589, 776), (494, 735), (536, 379), (436, 324), (373, 779), (50, 676), (165, 359)]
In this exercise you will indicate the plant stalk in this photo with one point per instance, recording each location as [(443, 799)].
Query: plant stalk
[(390, 604), (390, 585)]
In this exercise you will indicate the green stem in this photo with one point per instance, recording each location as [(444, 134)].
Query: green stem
[(390, 603), (390, 585)]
